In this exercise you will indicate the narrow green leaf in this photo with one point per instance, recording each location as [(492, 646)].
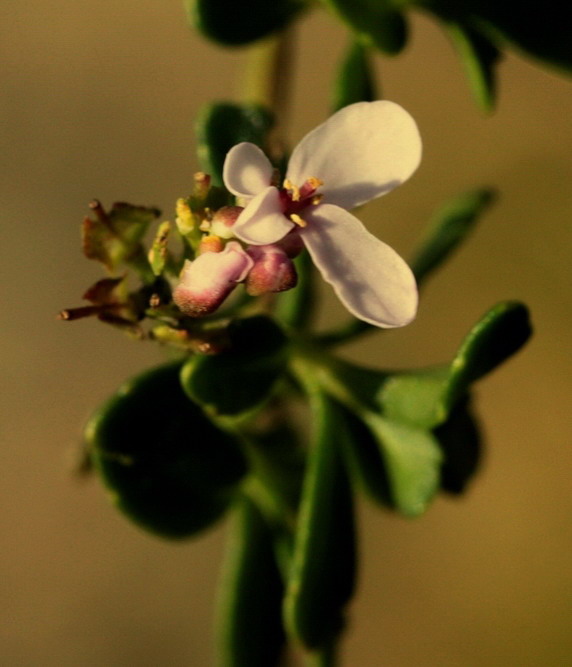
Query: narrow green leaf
[(355, 79), (322, 573), (167, 467), (448, 228), (499, 334), (250, 618), (221, 126), (479, 57), (235, 23), (242, 376), (412, 458), (379, 23)]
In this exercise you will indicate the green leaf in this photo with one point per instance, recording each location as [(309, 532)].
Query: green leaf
[(460, 441), (448, 228), (250, 621), (364, 460), (242, 376), (221, 126), (355, 79), (480, 57), (167, 467), (426, 398), (379, 23), (322, 574), (412, 459), (235, 23), (540, 28)]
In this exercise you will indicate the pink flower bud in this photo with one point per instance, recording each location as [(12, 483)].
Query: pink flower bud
[(273, 271), (207, 281)]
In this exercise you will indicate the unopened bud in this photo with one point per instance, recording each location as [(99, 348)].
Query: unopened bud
[(223, 220), (207, 281), (211, 243), (185, 219), (273, 271)]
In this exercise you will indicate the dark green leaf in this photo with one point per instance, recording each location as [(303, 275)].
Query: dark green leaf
[(412, 460), (250, 618), (234, 23), (480, 57), (355, 79), (221, 126), (539, 27), (460, 441), (323, 566), (379, 23), (242, 376), (448, 228), (165, 464), (363, 459)]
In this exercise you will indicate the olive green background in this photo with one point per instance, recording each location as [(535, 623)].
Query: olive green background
[(98, 99)]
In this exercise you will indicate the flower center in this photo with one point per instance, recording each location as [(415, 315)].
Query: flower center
[(294, 199)]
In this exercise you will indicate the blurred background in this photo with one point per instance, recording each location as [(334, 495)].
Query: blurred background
[(98, 100)]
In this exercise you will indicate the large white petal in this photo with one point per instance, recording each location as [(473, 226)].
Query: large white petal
[(369, 277), (262, 221), (361, 152), (246, 171)]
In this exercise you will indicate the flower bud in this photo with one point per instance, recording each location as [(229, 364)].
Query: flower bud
[(273, 271), (207, 281), (223, 220), (210, 243)]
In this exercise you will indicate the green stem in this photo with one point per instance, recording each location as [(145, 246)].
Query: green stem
[(325, 657), (268, 74)]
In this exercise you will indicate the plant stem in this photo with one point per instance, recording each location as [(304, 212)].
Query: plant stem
[(268, 74), (325, 657)]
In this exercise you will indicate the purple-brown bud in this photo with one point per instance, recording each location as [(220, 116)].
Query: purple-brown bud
[(273, 271)]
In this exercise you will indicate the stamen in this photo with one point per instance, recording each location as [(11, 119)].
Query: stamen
[(314, 182), (297, 220), (316, 199), (294, 190), (205, 225)]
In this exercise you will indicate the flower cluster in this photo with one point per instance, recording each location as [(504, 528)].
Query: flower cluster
[(360, 153)]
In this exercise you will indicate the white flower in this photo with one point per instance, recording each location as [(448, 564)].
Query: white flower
[(360, 153)]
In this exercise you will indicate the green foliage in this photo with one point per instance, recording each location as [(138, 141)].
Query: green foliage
[(322, 573), (448, 228), (167, 467), (378, 23), (235, 23), (355, 79), (220, 126), (479, 56), (426, 398), (250, 632), (242, 376)]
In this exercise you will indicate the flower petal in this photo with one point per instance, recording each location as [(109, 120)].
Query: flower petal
[(262, 221), (360, 153), (246, 171), (369, 277)]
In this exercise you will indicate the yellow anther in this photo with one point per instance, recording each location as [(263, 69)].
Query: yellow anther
[(314, 182), (294, 190), (316, 199), (297, 220), (205, 225)]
